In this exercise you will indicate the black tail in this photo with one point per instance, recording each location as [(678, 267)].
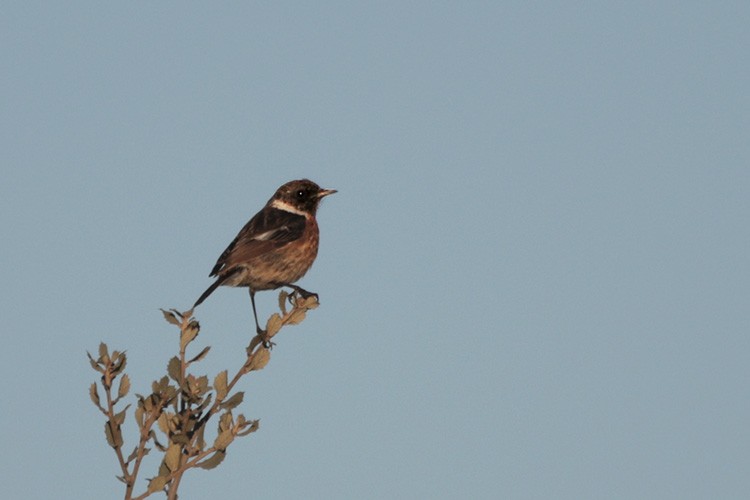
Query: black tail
[(208, 292), (216, 284)]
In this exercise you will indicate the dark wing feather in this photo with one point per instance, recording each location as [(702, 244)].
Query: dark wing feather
[(268, 230)]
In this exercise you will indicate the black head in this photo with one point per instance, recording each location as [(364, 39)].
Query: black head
[(301, 195)]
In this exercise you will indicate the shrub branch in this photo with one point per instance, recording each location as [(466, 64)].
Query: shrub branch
[(181, 404)]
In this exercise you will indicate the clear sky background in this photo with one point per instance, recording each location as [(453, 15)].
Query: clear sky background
[(534, 279)]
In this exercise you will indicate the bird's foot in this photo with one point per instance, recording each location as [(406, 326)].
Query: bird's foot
[(264, 338), (304, 294)]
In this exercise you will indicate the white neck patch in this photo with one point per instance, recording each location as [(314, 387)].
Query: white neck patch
[(286, 207)]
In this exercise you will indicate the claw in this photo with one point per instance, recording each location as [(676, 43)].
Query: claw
[(268, 344), (304, 294), (263, 335)]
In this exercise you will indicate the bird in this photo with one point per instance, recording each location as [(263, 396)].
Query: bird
[(276, 247)]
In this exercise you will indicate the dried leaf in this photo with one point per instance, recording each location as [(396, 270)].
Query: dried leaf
[(157, 484), (117, 434), (163, 469), (132, 456), (169, 394), (103, 354), (173, 368), (201, 354), (202, 406), (188, 334), (254, 342), (120, 417), (180, 439), (159, 386), (213, 460), (172, 457), (124, 386), (258, 360), (108, 434), (202, 384), (273, 325), (296, 317), (224, 439), (196, 387), (225, 421), (94, 364), (119, 362), (140, 415), (170, 317), (283, 295), (113, 434), (233, 402), (200, 442), (220, 385), (162, 422), (251, 427), (94, 394)]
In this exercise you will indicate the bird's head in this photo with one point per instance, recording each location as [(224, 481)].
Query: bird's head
[(300, 196)]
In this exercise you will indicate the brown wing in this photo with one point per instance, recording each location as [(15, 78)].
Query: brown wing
[(268, 230)]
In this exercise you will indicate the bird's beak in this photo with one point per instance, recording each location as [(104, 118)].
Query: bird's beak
[(326, 192)]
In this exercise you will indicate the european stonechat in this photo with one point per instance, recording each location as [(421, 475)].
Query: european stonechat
[(276, 248)]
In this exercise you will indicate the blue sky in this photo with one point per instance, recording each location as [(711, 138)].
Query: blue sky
[(533, 280)]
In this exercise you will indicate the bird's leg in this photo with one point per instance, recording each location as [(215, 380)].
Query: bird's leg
[(301, 291), (258, 329), (261, 332)]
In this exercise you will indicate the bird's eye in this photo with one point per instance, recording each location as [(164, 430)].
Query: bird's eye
[(301, 194)]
